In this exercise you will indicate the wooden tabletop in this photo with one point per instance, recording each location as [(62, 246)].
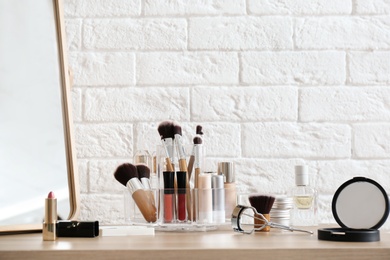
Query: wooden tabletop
[(219, 244)]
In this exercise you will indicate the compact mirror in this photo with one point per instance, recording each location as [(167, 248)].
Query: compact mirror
[(360, 203), (360, 206), (36, 145)]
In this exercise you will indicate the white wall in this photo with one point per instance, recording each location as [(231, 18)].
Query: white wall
[(274, 84)]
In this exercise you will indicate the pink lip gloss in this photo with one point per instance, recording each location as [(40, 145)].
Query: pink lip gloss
[(169, 198), (49, 224)]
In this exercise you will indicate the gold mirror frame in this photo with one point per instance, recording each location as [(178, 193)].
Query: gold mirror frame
[(73, 183)]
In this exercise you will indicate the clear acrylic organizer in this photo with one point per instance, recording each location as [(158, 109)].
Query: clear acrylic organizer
[(180, 209)]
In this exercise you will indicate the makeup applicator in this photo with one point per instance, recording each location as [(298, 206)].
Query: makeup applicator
[(127, 175), (144, 176), (197, 143), (263, 205), (180, 148), (182, 164), (192, 156), (166, 131), (199, 130)]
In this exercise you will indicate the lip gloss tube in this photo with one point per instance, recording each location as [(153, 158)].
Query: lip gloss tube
[(169, 198), (181, 195), (49, 224)]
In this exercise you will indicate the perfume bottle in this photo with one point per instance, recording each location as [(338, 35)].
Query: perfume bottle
[(304, 212)]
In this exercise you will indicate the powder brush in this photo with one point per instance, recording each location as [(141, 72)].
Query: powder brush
[(263, 205), (144, 176), (180, 147), (127, 175), (166, 131)]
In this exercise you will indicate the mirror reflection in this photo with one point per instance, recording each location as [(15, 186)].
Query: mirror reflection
[(32, 140)]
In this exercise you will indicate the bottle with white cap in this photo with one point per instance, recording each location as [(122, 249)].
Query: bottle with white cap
[(304, 212)]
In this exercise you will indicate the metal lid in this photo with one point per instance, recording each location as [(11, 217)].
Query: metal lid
[(280, 213), (227, 169), (217, 181), (283, 202)]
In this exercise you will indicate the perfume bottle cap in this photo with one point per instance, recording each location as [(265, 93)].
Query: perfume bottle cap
[(227, 169), (301, 175), (217, 182)]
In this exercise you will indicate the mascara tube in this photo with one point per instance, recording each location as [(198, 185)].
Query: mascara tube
[(50, 221)]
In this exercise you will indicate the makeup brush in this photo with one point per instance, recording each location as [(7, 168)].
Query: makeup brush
[(180, 148), (195, 160), (197, 143), (166, 131), (144, 176), (199, 130), (127, 175), (263, 205), (192, 157)]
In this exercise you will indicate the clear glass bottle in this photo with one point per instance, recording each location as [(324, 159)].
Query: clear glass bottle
[(304, 212)]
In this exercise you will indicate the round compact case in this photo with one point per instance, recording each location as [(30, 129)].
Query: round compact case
[(360, 206)]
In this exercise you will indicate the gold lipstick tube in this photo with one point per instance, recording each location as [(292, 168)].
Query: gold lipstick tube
[(50, 222)]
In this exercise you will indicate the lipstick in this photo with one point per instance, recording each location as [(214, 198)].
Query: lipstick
[(49, 223)]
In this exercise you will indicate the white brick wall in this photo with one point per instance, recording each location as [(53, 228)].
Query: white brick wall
[(274, 84)]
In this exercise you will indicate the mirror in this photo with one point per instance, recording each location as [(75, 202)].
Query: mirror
[(36, 144)]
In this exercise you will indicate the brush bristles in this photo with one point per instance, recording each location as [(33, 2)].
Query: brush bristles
[(197, 140), (143, 171), (125, 172), (166, 129), (176, 129), (199, 130), (262, 203)]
